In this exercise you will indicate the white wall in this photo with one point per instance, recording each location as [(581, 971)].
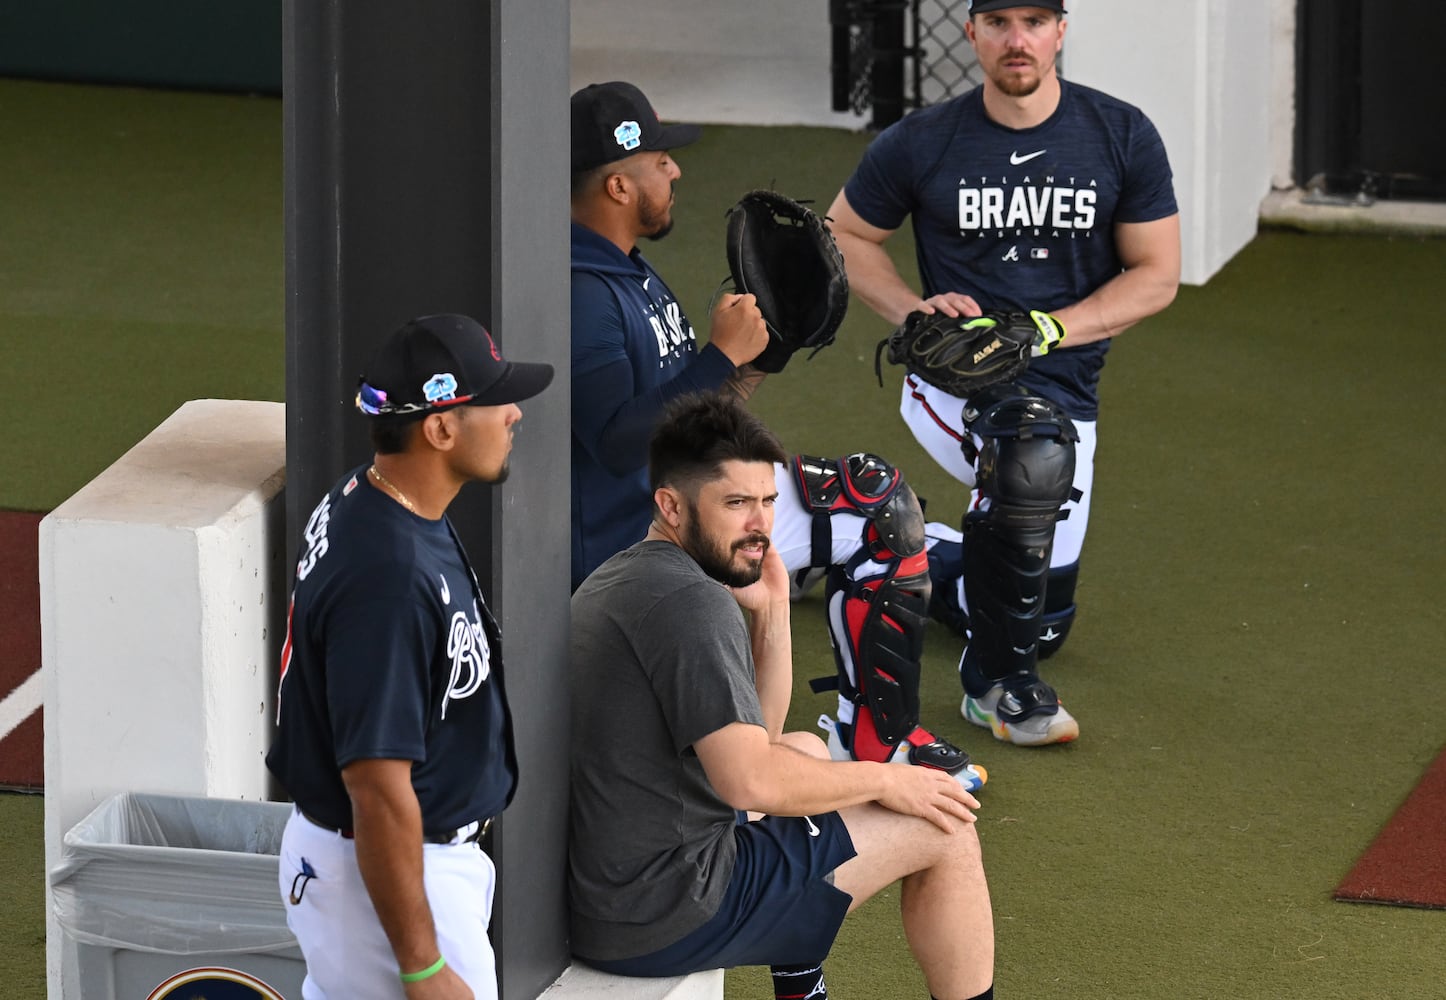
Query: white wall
[(1202, 71)]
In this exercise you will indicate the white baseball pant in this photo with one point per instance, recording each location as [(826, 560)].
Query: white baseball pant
[(348, 956)]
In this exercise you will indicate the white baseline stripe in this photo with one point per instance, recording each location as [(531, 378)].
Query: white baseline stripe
[(21, 704)]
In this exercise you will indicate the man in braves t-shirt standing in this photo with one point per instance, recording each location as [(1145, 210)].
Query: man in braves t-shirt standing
[(395, 741), (1027, 192)]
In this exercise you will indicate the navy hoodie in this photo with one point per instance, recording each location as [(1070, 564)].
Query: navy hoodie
[(633, 350)]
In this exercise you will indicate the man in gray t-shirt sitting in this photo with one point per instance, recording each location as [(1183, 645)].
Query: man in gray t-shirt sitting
[(678, 704)]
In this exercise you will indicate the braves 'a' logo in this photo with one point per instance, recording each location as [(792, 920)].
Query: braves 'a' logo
[(471, 657)]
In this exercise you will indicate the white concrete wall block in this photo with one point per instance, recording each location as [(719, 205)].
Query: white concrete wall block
[(239, 638), (1202, 71), (1151, 55), (1237, 162), (118, 676), (161, 588)]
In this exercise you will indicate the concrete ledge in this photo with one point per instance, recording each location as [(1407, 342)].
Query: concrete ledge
[(581, 982), (1295, 209)]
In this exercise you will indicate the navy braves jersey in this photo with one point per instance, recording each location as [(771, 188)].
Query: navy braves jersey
[(390, 654), (1020, 218)]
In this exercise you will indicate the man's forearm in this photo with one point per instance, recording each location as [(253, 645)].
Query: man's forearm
[(792, 783), (771, 638), (1118, 304), (875, 280), (388, 841), (745, 382)]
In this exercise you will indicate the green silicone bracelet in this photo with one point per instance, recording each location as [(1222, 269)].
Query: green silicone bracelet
[(427, 973)]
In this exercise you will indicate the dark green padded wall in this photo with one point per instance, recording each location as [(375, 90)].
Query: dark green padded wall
[(225, 45)]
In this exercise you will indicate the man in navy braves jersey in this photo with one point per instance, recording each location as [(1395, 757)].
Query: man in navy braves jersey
[(1028, 192), (395, 741)]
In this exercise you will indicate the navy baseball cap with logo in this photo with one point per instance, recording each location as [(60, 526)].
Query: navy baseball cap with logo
[(614, 120), (434, 362), (984, 6)]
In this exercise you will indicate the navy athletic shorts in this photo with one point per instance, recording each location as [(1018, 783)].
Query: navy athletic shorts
[(781, 907)]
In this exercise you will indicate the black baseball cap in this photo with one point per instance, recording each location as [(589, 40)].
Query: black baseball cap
[(984, 6), (614, 120), (434, 362)]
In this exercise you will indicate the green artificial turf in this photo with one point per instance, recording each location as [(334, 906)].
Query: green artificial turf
[(140, 266), (22, 890), (1256, 664)]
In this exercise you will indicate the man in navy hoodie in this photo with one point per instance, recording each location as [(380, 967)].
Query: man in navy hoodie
[(633, 351)]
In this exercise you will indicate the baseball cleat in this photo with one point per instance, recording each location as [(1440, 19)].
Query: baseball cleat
[(971, 776), (1022, 710)]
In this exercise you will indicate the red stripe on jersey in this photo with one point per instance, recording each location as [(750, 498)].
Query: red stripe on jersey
[(913, 385), (285, 656)]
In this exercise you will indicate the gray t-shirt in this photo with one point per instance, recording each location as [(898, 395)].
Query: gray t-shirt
[(660, 657)]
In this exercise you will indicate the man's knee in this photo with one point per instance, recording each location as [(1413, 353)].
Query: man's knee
[(891, 846), (805, 742)]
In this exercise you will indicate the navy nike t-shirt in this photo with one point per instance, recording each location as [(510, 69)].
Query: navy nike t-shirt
[(1020, 218)]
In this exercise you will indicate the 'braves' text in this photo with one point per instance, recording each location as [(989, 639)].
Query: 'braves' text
[(1025, 207)]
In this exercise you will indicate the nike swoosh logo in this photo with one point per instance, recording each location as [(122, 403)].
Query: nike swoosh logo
[(1016, 159)]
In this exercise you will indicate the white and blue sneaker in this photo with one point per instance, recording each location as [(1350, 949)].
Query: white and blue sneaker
[(1023, 710)]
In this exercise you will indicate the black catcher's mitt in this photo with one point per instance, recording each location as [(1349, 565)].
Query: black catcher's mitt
[(783, 254), (962, 355)]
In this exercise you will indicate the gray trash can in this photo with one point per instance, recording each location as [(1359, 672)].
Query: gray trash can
[(174, 898)]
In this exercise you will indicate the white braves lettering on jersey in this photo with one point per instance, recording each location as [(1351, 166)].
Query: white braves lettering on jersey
[(670, 329), (314, 536), (471, 657), (446, 590), (1026, 206)]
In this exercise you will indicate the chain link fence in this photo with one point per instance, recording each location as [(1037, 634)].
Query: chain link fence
[(891, 56), (944, 63)]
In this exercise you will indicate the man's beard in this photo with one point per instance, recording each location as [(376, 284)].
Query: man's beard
[(653, 223), (1012, 83), (500, 476), (716, 558)]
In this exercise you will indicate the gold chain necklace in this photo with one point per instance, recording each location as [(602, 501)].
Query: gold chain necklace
[(391, 488)]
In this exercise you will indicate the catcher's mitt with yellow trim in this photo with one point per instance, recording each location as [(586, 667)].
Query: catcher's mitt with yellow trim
[(961, 355)]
